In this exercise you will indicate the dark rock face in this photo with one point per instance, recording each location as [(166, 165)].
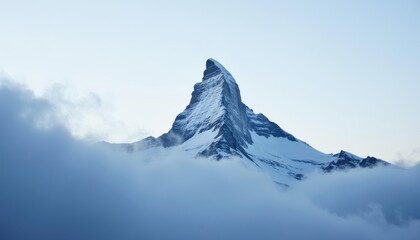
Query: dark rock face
[(211, 69), (297, 176), (346, 160), (264, 127), (372, 162)]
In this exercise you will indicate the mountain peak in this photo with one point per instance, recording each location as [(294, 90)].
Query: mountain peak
[(216, 108), (216, 123), (214, 68)]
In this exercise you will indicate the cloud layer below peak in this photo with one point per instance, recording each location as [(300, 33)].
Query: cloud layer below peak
[(53, 186)]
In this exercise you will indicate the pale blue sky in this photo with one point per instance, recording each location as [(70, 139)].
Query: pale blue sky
[(337, 74)]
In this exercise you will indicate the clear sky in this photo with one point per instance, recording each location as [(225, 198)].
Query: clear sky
[(336, 74)]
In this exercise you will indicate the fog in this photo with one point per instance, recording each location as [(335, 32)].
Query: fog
[(53, 186)]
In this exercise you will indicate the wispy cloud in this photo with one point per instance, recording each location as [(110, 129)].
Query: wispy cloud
[(88, 116), (56, 187), (408, 159)]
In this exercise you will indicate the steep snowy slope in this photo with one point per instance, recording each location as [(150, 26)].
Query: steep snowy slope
[(216, 124)]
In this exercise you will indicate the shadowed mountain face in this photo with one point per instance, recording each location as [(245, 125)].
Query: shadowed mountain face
[(216, 105), (217, 124)]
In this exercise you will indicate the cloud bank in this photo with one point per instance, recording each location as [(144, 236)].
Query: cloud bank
[(53, 186), (86, 115)]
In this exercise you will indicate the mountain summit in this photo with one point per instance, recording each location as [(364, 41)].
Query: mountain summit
[(216, 106), (217, 124)]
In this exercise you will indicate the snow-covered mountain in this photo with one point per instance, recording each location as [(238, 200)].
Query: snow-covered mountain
[(216, 124)]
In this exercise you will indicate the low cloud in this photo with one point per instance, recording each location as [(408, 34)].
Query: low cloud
[(86, 115), (56, 187), (408, 159)]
